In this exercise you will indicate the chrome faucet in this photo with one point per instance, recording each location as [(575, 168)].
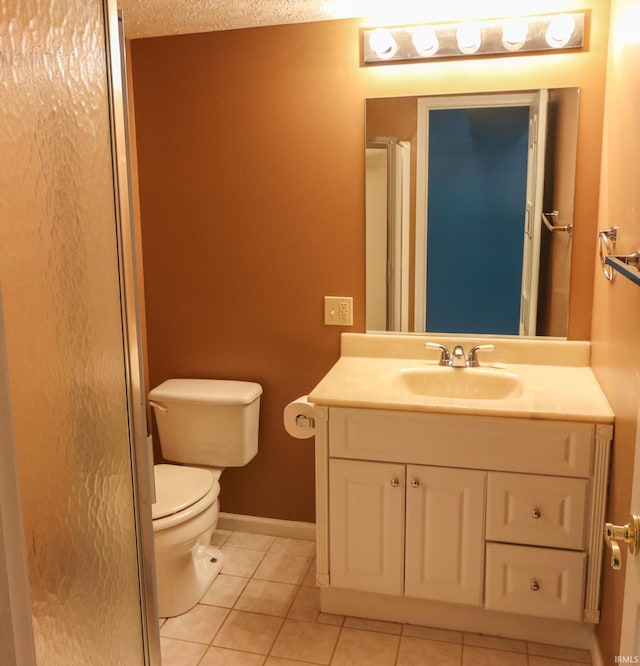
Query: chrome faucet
[(457, 358)]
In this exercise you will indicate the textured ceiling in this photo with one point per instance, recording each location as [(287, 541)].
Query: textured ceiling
[(150, 18)]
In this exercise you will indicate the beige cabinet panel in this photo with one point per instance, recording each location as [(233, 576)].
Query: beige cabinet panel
[(366, 514), (560, 448), (536, 510), (445, 547), (535, 581)]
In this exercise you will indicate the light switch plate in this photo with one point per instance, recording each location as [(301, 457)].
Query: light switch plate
[(338, 310)]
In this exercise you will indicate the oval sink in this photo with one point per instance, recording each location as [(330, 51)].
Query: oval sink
[(470, 383)]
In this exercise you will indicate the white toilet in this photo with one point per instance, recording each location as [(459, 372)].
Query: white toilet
[(207, 425)]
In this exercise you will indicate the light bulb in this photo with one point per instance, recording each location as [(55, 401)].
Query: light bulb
[(425, 40), (560, 30), (383, 43), (469, 37), (514, 33)]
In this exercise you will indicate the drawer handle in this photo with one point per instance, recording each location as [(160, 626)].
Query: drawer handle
[(395, 483), (536, 513), (415, 483), (535, 586)]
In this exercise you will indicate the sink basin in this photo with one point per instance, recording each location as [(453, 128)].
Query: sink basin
[(469, 383)]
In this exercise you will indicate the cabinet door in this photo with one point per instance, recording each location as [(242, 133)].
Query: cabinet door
[(445, 531), (366, 525)]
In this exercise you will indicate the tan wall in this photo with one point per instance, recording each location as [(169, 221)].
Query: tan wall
[(135, 205), (555, 268), (616, 308), (251, 162)]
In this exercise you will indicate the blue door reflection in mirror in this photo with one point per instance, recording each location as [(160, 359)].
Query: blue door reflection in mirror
[(478, 212), (476, 217)]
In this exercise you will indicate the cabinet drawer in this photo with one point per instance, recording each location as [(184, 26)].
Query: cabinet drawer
[(535, 581), (540, 510), (559, 448)]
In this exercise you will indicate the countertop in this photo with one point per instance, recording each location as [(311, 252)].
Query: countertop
[(557, 381)]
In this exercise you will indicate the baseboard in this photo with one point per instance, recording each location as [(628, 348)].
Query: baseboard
[(272, 526), (596, 655)]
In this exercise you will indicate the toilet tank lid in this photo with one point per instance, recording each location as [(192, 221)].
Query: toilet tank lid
[(206, 391)]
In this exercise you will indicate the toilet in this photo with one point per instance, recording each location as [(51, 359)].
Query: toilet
[(204, 425)]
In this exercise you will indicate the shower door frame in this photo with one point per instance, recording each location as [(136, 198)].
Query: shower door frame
[(15, 599), (140, 442)]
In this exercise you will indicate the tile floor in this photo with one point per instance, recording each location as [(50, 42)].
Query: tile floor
[(263, 610)]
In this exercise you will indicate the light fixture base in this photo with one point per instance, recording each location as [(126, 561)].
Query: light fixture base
[(541, 35)]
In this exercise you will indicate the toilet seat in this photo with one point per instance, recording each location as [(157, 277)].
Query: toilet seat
[(181, 494)]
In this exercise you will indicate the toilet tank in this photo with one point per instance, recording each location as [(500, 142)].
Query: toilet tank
[(211, 422)]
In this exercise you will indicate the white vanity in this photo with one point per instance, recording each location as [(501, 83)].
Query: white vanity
[(463, 501)]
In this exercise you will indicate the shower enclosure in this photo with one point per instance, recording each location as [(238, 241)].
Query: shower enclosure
[(76, 568)]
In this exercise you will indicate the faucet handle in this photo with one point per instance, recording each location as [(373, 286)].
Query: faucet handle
[(445, 356), (473, 354)]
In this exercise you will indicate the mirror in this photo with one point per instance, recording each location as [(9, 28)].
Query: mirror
[(469, 212)]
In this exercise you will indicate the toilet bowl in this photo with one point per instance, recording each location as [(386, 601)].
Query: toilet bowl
[(205, 425), (184, 517)]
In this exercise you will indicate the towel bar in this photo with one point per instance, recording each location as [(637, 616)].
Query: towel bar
[(567, 228)]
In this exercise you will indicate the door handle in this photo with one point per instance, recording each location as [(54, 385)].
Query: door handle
[(629, 534)]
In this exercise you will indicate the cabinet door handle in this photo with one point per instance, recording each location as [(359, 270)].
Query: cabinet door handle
[(535, 586), (536, 513), (415, 483), (395, 483)]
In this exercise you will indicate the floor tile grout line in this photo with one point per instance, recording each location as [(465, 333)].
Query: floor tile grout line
[(335, 646), (341, 627), (294, 596), (297, 587), (255, 654), (229, 610), (398, 648), (275, 639)]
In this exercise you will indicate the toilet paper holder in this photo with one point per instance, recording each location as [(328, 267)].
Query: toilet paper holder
[(299, 418), (304, 421)]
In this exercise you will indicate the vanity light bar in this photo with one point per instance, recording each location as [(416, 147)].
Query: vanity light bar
[(495, 37)]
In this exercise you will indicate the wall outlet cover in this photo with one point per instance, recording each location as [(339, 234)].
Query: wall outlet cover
[(338, 310)]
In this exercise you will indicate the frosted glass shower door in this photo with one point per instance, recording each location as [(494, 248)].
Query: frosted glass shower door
[(71, 369)]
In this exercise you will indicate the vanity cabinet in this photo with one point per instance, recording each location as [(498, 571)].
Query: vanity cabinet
[(501, 514)]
